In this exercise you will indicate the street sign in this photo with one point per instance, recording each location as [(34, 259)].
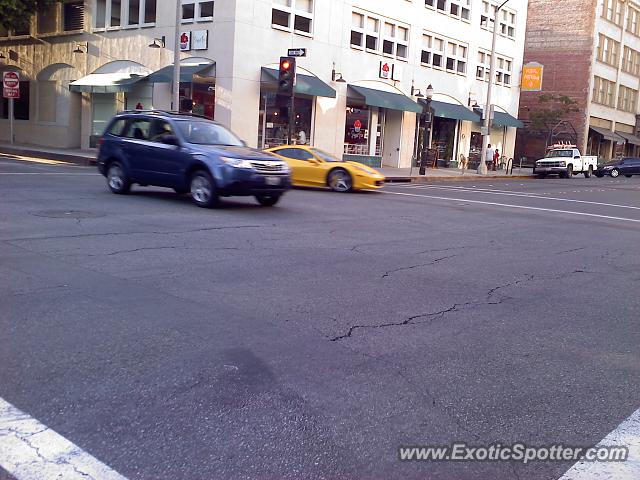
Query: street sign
[(297, 52), (532, 74), (10, 85)]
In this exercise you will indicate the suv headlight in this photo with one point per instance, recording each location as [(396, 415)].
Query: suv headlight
[(237, 162), (563, 164)]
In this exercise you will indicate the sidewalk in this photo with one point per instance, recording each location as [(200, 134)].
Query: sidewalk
[(78, 156), (407, 175)]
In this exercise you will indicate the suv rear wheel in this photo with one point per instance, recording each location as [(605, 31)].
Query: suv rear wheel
[(203, 190), (117, 179)]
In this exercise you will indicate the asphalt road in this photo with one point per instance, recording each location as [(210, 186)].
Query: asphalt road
[(313, 339)]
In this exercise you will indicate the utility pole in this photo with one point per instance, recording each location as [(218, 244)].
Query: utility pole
[(175, 102), (482, 168)]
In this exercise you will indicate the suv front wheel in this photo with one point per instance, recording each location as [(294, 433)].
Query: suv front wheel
[(268, 200), (203, 190)]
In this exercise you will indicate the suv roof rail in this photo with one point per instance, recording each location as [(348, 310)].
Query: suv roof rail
[(162, 112)]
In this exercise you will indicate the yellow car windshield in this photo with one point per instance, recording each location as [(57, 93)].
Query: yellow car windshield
[(324, 155)]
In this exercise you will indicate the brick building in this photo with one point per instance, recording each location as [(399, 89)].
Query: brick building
[(590, 50)]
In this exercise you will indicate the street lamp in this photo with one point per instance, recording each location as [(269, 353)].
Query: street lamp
[(486, 133), (158, 42), (428, 118)]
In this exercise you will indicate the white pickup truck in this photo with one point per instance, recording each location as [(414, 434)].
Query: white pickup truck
[(565, 161)]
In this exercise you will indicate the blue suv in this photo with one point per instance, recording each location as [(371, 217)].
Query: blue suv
[(189, 154)]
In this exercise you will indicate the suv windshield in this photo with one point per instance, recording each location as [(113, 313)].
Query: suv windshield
[(207, 133), (560, 153), (324, 155)]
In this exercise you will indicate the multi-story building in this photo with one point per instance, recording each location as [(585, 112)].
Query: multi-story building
[(358, 89), (590, 50)]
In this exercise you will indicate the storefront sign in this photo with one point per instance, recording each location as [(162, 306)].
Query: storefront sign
[(200, 39), (185, 41), (390, 71), (10, 85), (532, 74), (386, 70)]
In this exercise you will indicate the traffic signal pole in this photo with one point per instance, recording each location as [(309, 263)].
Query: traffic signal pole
[(292, 117)]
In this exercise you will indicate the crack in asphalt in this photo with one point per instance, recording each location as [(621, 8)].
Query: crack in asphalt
[(572, 250), (175, 247), (412, 267), (457, 306), (408, 321)]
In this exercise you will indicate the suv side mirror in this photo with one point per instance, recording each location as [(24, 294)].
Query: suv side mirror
[(170, 140)]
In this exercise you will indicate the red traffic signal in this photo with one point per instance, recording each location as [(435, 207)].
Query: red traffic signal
[(287, 75)]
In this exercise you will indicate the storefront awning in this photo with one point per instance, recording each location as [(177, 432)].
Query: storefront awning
[(106, 82), (453, 111), (502, 119), (607, 134), (630, 138), (187, 71), (380, 98), (305, 84)]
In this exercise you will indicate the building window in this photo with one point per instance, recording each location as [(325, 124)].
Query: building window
[(293, 15), (504, 68), (603, 91), (633, 25), (134, 12), (613, 10), (432, 51), (395, 40), (608, 51), (627, 99), (460, 9), (150, 11), (506, 19), (47, 19), (456, 57), (116, 14), (379, 35), (631, 61)]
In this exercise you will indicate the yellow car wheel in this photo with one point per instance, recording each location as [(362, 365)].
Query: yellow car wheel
[(340, 181)]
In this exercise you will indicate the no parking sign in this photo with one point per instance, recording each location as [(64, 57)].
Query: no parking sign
[(10, 85)]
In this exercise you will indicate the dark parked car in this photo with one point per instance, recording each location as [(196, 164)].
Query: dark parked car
[(189, 154), (627, 166)]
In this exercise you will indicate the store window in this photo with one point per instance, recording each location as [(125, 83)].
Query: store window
[(273, 123), (202, 93), (356, 137), (443, 137), (293, 15)]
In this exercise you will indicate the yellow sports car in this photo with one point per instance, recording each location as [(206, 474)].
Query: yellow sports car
[(311, 167)]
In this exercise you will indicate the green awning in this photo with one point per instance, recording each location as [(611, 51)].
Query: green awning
[(106, 82), (452, 110), (502, 119), (383, 99), (187, 71), (607, 134), (305, 84), (630, 138)]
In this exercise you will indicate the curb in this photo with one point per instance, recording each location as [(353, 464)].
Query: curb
[(77, 159), (457, 178)]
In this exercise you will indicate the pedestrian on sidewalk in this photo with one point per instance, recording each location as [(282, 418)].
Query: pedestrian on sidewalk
[(496, 159), (488, 156)]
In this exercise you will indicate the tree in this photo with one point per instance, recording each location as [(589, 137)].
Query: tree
[(550, 117), (16, 14)]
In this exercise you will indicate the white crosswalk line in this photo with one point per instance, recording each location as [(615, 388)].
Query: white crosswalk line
[(524, 195), (626, 435), (30, 450)]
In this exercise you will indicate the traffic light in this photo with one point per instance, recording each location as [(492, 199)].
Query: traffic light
[(287, 75)]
